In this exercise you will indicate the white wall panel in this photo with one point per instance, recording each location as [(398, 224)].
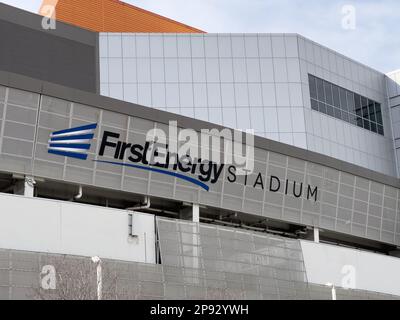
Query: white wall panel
[(39, 225), (350, 267), (252, 71)]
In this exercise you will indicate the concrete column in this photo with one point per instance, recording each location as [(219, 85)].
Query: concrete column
[(192, 212), (196, 237), (29, 187), (316, 235), (196, 213)]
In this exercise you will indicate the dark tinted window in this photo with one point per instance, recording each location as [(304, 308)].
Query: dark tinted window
[(314, 104), (364, 106), (343, 100), (328, 93), (336, 98), (357, 104), (378, 113), (343, 104), (313, 87), (350, 101), (371, 110), (320, 90)]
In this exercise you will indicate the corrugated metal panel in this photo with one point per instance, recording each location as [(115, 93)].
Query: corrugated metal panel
[(114, 16)]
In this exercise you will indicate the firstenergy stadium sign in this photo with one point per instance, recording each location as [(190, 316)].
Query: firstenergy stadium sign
[(179, 155)]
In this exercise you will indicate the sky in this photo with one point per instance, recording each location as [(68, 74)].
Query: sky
[(364, 30)]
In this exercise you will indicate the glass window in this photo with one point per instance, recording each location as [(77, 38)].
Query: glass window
[(338, 113), (353, 119), (329, 110), (364, 105), (314, 104), (359, 122), (336, 98), (357, 104), (366, 124), (350, 102), (371, 110), (345, 116), (378, 113), (373, 127), (313, 87), (320, 90), (328, 93), (343, 104), (322, 107)]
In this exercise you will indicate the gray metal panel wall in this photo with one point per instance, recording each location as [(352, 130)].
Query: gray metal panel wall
[(210, 263), (240, 264), (66, 55), (346, 203)]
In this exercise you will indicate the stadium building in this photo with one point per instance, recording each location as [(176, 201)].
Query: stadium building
[(316, 216)]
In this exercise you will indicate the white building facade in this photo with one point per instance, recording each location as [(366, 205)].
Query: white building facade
[(78, 112), (254, 81)]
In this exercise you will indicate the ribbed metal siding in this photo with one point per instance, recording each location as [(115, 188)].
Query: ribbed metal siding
[(114, 16)]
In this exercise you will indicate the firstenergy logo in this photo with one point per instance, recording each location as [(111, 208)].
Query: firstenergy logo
[(75, 143), (184, 154), (72, 143)]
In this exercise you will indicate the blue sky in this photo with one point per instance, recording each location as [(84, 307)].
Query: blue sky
[(375, 41)]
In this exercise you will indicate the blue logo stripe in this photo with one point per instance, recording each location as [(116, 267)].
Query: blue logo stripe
[(174, 174), (84, 146), (69, 154), (78, 137), (87, 127)]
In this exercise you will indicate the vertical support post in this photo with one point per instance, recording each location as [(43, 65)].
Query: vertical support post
[(97, 261), (333, 293), (316, 235), (99, 281), (196, 213), (25, 187), (196, 238), (333, 289), (29, 187), (190, 212)]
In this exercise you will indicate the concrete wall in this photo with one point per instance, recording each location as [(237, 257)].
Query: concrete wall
[(351, 268), (50, 226)]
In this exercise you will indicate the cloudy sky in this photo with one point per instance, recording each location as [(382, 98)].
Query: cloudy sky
[(371, 38)]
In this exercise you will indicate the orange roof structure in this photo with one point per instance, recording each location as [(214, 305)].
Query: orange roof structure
[(112, 16)]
